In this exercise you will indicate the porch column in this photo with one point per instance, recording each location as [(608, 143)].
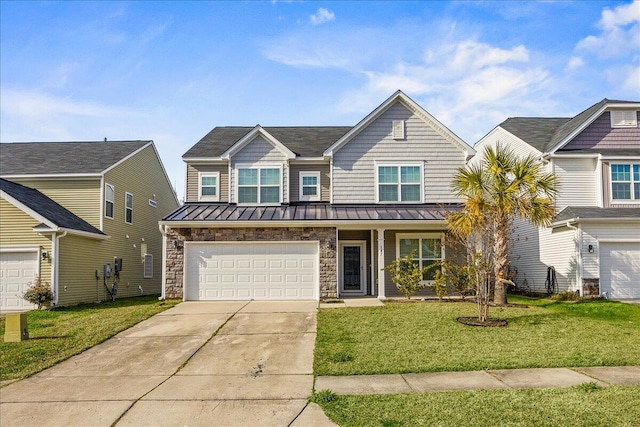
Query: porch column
[(381, 294)]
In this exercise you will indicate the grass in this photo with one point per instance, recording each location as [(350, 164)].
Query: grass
[(425, 337), (575, 406), (58, 334)]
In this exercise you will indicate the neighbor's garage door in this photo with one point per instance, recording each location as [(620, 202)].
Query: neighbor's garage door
[(251, 270), (17, 270), (620, 269)]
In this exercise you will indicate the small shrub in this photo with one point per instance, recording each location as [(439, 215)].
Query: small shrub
[(323, 396), (566, 296), (407, 274), (39, 293)]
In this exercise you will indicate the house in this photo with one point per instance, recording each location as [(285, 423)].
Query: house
[(68, 209), (594, 241), (312, 212)]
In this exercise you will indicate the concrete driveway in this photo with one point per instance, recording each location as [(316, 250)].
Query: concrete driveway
[(197, 364)]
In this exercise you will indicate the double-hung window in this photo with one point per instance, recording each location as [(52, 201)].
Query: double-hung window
[(260, 185), (399, 183), (209, 186), (625, 181), (309, 186), (109, 195), (427, 250), (128, 208)]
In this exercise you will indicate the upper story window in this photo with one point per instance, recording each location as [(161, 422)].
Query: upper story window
[(128, 208), (260, 185), (624, 119), (109, 195), (310, 186), (428, 250), (399, 183), (209, 186), (625, 181)]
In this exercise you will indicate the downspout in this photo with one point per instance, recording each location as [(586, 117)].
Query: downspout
[(55, 266), (578, 248), (163, 231)]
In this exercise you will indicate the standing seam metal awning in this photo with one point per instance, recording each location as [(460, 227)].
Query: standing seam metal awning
[(211, 212)]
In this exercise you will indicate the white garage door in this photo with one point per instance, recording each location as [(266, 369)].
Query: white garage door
[(251, 271), (17, 270), (620, 269)]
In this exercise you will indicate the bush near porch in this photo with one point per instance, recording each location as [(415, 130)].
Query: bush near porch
[(425, 337)]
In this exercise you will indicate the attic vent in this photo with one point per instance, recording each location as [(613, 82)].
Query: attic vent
[(398, 129), (624, 119)]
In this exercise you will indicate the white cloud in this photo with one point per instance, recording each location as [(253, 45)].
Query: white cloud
[(322, 16), (620, 33), (574, 63)]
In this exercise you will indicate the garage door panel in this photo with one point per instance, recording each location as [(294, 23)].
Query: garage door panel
[(620, 269), (17, 271), (253, 270)]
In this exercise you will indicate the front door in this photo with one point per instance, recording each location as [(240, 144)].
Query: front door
[(352, 268)]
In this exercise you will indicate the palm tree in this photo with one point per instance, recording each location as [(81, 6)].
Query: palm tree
[(495, 192)]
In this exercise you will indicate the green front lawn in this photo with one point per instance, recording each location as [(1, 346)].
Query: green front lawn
[(576, 406), (63, 332), (425, 337)]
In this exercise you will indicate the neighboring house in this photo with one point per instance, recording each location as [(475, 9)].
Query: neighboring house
[(594, 241), (67, 209), (312, 212)]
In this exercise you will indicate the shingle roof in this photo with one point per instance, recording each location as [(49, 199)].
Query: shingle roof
[(579, 212), (40, 158), (544, 133), (322, 212), (305, 141), (46, 207)]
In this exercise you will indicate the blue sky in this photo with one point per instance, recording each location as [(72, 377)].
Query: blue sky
[(172, 71)]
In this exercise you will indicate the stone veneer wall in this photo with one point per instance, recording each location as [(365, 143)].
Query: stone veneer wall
[(325, 235)]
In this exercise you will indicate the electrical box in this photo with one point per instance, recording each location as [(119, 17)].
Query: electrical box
[(107, 271), (117, 264), (16, 327)]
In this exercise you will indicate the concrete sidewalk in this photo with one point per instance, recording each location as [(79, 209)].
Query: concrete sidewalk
[(479, 380)]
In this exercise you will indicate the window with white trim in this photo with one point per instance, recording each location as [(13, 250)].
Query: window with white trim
[(624, 119), (260, 185), (148, 266), (399, 183), (625, 181), (109, 196), (428, 248), (209, 186), (309, 186), (128, 208)]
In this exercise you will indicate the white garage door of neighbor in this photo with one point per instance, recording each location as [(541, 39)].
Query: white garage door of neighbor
[(620, 269), (251, 271), (17, 270)]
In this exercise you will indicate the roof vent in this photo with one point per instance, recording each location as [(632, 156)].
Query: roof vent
[(398, 129)]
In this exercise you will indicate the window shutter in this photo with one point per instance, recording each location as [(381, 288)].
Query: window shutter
[(148, 266), (398, 129), (623, 119)]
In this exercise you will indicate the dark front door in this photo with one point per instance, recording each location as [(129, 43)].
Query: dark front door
[(352, 268)]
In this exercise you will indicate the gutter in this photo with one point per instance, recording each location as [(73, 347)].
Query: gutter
[(55, 267), (345, 224)]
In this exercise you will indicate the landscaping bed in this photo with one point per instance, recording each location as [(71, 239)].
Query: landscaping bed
[(425, 337), (58, 334)]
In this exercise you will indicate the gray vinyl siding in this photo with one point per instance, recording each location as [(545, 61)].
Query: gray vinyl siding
[(256, 151), (557, 249), (525, 256), (577, 182), (520, 148), (193, 183), (600, 134), (354, 173), (325, 184)]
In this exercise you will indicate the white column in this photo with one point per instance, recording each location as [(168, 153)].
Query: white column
[(381, 294)]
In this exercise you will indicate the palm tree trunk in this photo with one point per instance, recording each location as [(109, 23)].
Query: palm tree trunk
[(501, 260)]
